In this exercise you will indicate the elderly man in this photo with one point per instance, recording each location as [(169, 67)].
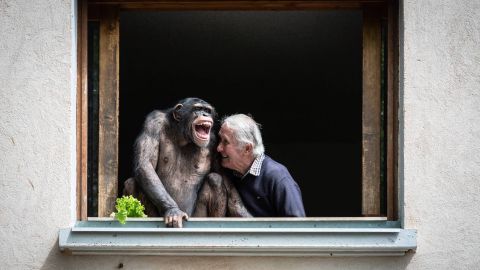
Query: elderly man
[(266, 187)]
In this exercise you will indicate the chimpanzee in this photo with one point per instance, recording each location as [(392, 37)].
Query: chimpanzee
[(174, 160)]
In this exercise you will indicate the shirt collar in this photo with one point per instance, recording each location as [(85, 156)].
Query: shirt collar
[(257, 165), (255, 168)]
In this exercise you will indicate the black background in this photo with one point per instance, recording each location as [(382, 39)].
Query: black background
[(297, 72)]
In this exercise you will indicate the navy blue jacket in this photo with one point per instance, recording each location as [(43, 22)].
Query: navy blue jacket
[(273, 193)]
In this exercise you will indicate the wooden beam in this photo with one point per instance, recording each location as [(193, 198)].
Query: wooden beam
[(371, 125), (237, 4), (392, 107), (108, 110), (82, 110)]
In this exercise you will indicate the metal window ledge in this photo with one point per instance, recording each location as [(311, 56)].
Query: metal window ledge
[(239, 237)]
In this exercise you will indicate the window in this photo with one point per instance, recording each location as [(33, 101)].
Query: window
[(269, 64), (340, 148)]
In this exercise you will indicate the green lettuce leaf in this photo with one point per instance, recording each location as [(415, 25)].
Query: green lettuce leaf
[(128, 206)]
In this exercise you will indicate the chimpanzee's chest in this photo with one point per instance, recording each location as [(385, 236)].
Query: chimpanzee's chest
[(189, 163)]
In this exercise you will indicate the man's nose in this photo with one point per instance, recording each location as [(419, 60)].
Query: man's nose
[(219, 148)]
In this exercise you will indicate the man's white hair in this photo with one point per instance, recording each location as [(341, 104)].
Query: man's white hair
[(246, 131)]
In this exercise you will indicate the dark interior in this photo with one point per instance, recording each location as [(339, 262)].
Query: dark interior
[(299, 73)]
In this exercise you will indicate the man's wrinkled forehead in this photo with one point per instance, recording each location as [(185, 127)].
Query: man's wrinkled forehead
[(225, 131)]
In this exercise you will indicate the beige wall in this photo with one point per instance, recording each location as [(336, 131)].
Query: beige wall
[(440, 143), (441, 109), (37, 130)]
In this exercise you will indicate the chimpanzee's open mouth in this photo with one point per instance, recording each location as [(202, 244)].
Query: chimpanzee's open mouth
[(202, 129)]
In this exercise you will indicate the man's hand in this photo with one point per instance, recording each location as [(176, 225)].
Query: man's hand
[(174, 217)]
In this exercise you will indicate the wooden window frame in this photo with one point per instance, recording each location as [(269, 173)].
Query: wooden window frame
[(107, 13)]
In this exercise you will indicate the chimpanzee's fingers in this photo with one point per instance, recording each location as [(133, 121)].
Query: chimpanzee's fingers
[(175, 222), (179, 222), (168, 221)]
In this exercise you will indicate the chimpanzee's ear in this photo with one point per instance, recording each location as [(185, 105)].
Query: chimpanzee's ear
[(176, 113)]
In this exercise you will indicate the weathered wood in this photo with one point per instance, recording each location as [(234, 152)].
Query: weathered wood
[(238, 5), (108, 110), (371, 113), (82, 110), (392, 107)]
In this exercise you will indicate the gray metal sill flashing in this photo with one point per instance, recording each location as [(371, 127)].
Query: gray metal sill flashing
[(240, 237)]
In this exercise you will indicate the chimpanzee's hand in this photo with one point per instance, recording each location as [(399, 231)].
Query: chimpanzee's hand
[(174, 217)]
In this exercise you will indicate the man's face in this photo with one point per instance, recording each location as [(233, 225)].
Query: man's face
[(233, 156)]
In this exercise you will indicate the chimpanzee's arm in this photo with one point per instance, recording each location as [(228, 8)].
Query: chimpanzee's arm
[(145, 161), (235, 206)]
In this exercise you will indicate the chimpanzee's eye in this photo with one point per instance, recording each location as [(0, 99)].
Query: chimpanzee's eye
[(203, 109)]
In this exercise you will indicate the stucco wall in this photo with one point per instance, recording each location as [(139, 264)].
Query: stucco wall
[(441, 109), (36, 129), (439, 146)]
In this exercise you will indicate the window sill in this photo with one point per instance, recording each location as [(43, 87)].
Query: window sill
[(240, 237)]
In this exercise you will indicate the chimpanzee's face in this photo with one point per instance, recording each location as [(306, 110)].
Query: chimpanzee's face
[(195, 118), (202, 122)]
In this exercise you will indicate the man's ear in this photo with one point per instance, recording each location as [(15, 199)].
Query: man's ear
[(248, 148), (176, 112)]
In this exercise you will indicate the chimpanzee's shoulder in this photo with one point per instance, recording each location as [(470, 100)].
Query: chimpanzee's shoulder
[(156, 117), (155, 122)]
